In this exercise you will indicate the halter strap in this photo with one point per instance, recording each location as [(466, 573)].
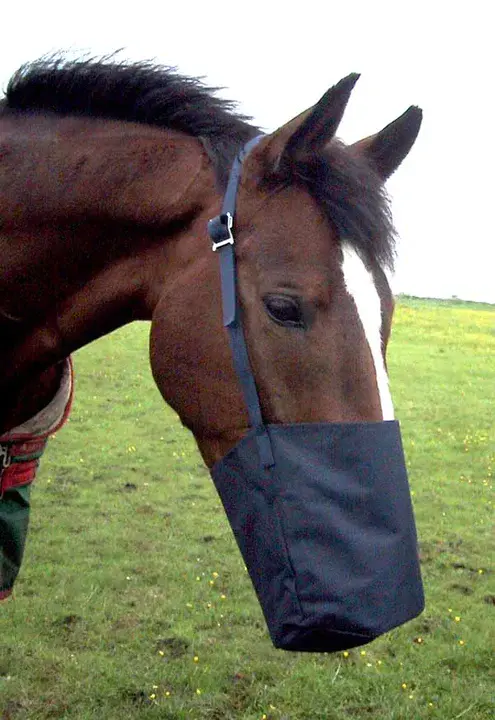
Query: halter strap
[(220, 231)]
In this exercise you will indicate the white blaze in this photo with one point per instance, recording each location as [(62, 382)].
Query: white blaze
[(361, 287)]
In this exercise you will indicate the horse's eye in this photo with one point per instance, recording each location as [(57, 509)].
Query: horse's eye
[(284, 310)]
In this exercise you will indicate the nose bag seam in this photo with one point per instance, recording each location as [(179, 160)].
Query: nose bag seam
[(283, 531)]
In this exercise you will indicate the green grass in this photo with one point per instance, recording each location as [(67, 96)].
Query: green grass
[(119, 601)]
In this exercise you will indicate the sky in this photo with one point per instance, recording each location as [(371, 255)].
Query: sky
[(277, 58)]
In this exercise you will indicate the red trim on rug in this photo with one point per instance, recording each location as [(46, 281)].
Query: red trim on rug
[(24, 451), (17, 475)]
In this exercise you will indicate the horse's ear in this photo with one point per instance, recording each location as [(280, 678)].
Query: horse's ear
[(310, 131), (387, 149)]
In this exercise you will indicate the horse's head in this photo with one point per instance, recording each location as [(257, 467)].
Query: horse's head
[(313, 240)]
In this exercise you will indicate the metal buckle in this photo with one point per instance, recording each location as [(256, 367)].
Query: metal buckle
[(4, 457), (5, 461), (221, 228)]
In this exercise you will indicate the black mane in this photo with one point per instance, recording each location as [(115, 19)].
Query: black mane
[(350, 192), (353, 197), (134, 92)]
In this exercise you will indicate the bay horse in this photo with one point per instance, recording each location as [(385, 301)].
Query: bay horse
[(109, 173)]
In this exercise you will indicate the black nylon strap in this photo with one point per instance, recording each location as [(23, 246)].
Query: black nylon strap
[(220, 231)]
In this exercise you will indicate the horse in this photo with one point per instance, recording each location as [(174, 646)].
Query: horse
[(109, 173)]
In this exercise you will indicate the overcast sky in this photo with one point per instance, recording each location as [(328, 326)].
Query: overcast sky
[(277, 58)]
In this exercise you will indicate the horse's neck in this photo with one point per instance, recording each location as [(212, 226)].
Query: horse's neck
[(97, 236)]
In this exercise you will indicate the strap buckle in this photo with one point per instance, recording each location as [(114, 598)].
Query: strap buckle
[(5, 459), (220, 231)]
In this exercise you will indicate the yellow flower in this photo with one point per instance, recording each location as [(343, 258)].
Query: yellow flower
[(152, 696), (167, 693), (160, 652), (345, 653), (404, 686), (198, 691), (212, 582), (223, 597), (461, 642), (196, 658), (457, 618), (215, 575), (363, 652)]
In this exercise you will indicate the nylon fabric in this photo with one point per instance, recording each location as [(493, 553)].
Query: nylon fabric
[(327, 533), (14, 522)]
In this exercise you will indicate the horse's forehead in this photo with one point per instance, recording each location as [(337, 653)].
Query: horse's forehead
[(289, 229), (289, 207), (290, 233)]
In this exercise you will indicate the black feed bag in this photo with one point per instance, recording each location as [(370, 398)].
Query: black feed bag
[(327, 533)]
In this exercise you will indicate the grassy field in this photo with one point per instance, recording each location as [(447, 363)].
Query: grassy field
[(133, 601)]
